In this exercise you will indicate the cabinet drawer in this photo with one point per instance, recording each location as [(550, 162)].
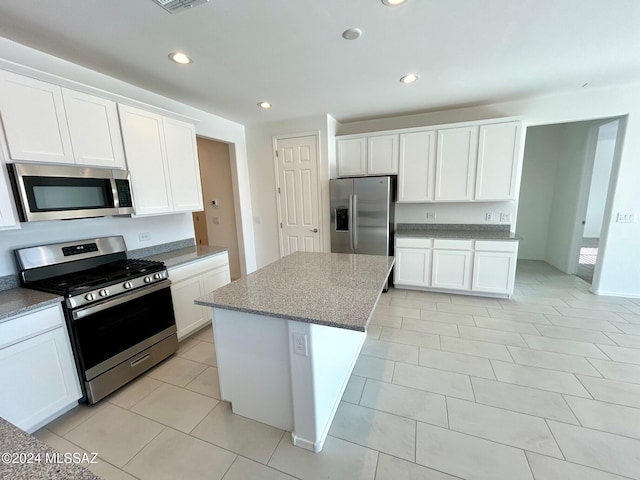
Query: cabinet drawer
[(497, 245), (415, 242), (29, 325), (453, 244), (198, 267)]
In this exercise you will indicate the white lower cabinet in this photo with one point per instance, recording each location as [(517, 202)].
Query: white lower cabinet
[(38, 378), (452, 264), (483, 267), (494, 267), (192, 281)]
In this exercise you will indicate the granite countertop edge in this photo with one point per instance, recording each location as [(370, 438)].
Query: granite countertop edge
[(184, 256), (24, 301)]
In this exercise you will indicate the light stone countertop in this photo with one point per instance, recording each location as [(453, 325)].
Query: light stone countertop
[(459, 234), (16, 441), (335, 289), (18, 301), (181, 256)]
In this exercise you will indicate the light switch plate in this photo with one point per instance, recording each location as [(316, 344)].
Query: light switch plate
[(144, 237), (626, 217), (505, 217), (300, 344), (431, 215)]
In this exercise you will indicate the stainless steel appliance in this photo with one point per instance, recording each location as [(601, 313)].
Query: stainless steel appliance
[(362, 215), (61, 192), (118, 311)]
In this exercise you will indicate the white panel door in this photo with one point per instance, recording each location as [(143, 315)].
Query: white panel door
[(298, 200), (417, 167), (189, 316), (184, 170), (352, 157), (37, 379), (382, 155), (34, 120), (451, 269), (494, 272), (413, 267), (94, 129), (498, 151), (456, 164), (143, 136)]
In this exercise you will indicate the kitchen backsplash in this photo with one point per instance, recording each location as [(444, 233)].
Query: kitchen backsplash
[(457, 227), (162, 248), (8, 282)]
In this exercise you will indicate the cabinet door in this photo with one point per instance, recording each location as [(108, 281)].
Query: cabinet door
[(182, 161), (456, 164), (94, 129), (214, 279), (37, 379), (352, 157), (382, 155), (34, 120), (498, 152), (143, 136), (413, 267), (416, 172), (494, 272), (189, 316), (451, 269)]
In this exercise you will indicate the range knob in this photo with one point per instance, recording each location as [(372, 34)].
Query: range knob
[(90, 296), (147, 279), (157, 276), (127, 285), (104, 292)]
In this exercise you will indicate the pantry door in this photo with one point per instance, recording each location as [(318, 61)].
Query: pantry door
[(297, 191)]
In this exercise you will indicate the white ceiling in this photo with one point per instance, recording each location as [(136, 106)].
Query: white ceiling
[(291, 53)]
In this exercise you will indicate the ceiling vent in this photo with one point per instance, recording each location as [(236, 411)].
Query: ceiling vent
[(177, 6)]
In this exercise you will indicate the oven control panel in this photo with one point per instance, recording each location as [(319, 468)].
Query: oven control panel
[(115, 289)]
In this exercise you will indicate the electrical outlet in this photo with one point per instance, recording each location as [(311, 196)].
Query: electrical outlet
[(144, 237), (626, 217), (488, 216), (431, 215), (216, 220), (300, 344), (505, 217)]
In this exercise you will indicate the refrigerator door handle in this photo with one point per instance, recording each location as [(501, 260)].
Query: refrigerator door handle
[(350, 222), (355, 221)]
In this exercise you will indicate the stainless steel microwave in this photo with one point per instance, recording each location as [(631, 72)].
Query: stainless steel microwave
[(61, 192)]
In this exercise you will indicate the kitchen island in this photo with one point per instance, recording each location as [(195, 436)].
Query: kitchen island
[(288, 335)]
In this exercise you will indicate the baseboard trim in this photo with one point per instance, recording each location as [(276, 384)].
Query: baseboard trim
[(615, 294)]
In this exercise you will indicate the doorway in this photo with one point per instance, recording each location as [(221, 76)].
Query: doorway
[(216, 224), (296, 168)]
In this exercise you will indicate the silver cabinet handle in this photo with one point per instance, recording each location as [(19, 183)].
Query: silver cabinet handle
[(314, 230)]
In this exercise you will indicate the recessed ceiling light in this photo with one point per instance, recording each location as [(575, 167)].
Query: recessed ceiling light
[(352, 34), (180, 58), (393, 3), (410, 78), (264, 105)]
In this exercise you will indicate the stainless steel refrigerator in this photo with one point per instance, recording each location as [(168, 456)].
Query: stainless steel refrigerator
[(362, 215)]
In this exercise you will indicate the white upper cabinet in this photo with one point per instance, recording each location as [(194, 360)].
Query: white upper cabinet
[(184, 170), (34, 120), (8, 214), (352, 157), (456, 155), (143, 137), (498, 150), (416, 172), (382, 155), (163, 162), (94, 129)]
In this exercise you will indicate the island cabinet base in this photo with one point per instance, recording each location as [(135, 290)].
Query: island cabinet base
[(285, 373)]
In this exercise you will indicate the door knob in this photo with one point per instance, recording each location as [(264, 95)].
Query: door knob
[(314, 230)]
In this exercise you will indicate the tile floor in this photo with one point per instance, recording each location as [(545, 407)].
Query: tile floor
[(545, 385)]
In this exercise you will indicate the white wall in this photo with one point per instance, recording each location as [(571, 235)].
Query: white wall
[(619, 253), (24, 60), (565, 214), (260, 153), (163, 229), (600, 179), (536, 191)]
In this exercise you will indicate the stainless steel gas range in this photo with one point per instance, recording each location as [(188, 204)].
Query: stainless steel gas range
[(118, 311)]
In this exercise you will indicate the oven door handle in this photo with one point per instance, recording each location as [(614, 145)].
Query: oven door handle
[(141, 292)]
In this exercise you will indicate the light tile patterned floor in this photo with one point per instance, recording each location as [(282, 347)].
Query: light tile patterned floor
[(543, 386)]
